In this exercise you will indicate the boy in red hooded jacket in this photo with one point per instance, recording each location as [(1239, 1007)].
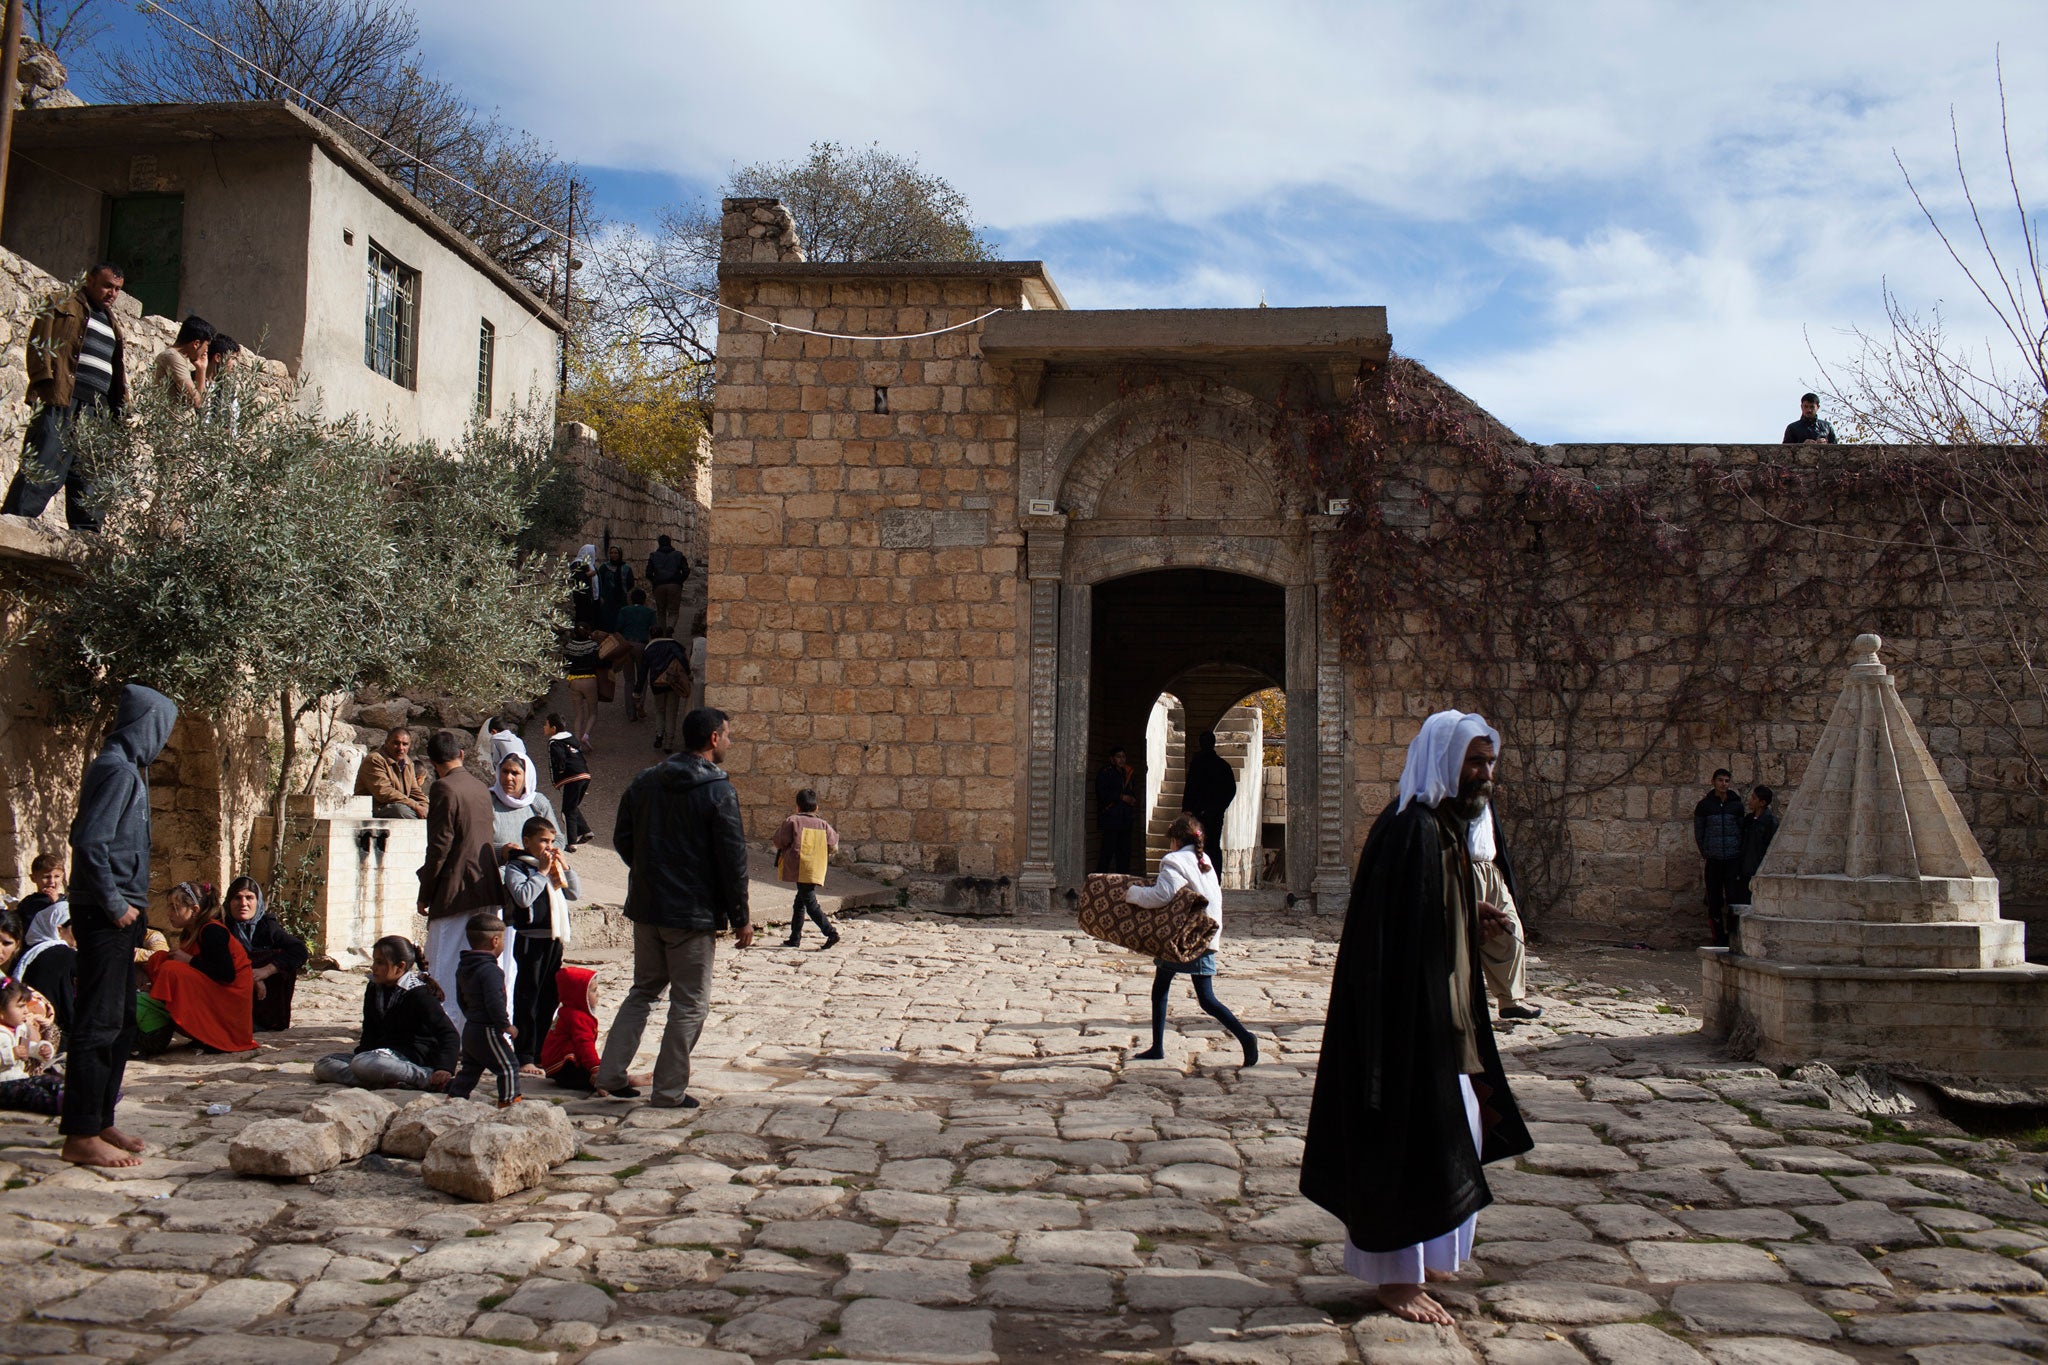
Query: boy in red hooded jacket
[(569, 1053)]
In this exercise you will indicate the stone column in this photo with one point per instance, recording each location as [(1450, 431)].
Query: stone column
[(1332, 884), (1072, 803), (1045, 550), (1301, 736)]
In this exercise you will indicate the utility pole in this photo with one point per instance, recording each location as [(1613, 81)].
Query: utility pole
[(10, 91)]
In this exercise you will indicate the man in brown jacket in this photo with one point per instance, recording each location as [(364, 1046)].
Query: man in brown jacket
[(75, 367), (460, 875), (390, 780)]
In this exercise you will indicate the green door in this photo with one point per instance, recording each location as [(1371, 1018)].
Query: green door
[(146, 238)]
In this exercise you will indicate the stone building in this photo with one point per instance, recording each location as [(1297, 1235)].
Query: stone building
[(950, 570), (267, 223)]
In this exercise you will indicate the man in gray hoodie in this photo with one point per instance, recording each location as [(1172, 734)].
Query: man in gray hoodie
[(109, 888)]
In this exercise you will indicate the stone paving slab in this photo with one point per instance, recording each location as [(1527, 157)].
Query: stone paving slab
[(928, 1145)]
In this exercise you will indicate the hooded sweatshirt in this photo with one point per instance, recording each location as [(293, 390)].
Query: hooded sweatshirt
[(574, 1036), (110, 835)]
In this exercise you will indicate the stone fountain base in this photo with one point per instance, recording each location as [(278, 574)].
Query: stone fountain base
[(1979, 1022)]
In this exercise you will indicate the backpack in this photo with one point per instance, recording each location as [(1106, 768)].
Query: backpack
[(810, 852), (675, 677)]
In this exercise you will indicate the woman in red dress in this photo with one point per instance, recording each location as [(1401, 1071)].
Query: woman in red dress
[(202, 988)]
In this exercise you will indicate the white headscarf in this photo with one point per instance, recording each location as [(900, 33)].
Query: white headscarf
[(588, 554), (42, 933), (498, 792), (493, 748), (1435, 757)]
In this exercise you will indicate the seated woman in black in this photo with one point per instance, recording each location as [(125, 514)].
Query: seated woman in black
[(276, 955)]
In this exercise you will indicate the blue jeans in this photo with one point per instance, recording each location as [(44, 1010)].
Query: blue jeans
[(378, 1069)]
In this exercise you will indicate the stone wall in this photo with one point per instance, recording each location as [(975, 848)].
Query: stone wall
[(864, 619), (630, 510)]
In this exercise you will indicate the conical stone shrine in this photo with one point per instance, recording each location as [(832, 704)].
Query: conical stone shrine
[(1874, 932)]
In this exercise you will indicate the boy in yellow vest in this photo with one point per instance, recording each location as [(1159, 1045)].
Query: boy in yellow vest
[(801, 848)]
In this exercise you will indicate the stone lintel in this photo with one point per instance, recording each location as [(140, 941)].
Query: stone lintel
[(1039, 290)]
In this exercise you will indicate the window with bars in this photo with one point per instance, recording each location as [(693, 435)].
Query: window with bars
[(486, 365), (391, 317)]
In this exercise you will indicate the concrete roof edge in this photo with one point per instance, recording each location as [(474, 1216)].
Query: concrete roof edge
[(281, 118), (1030, 272)]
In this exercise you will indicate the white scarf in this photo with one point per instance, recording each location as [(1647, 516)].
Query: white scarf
[(1435, 757), (498, 791)]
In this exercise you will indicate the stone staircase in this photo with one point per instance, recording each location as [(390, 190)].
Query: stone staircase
[(1172, 786)]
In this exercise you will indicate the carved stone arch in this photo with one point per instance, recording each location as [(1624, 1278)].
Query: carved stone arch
[(1274, 559), (1174, 411)]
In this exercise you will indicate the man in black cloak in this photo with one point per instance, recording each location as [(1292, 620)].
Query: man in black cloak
[(1410, 1099)]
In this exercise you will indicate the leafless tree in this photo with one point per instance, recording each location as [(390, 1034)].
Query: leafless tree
[(64, 26), (357, 64), (849, 204)]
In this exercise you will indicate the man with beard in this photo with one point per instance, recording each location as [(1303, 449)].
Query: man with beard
[(1410, 1099)]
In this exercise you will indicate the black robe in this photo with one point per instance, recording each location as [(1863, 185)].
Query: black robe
[(1388, 1149)]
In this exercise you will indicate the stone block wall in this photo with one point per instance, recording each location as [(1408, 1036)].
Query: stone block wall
[(1778, 651), (630, 510), (865, 564)]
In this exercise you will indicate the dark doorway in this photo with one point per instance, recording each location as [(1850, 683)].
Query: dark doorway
[(1208, 636), (146, 238)]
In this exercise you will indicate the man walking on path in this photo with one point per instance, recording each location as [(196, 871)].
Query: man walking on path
[(1410, 1098), (460, 876), (1717, 832), (666, 570), (109, 888), (679, 833), (75, 368)]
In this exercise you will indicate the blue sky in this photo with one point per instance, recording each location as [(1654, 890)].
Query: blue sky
[(1602, 221)]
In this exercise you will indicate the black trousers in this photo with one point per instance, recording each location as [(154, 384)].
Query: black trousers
[(534, 996), (273, 1011), (570, 804), (1723, 876), (47, 466), (807, 904), (102, 1020), (1116, 850), (485, 1049)]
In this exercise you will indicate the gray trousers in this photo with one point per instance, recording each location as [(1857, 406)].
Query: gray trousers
[(676, 961), (378, 1069)]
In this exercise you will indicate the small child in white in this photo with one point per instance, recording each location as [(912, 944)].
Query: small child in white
[(26, 1082)]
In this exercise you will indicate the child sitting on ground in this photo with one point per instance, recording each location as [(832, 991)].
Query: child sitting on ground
[(801, 848), (569, 1056), (486, 1028), (407, 1042), (539, 884), (26, 1082)]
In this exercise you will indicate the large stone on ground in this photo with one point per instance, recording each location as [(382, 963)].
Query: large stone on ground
[(883, 1329), (547, 1120), (1829, 1267), (230, 1305), (1113, 1249), (1065, 1289), (485, 1162), (1780, 1187), (560, 1301), (360, 1115), (909, 1278), (1864, 1222), (1637, 1343), (286, 1148), (1684, 1262), (1567, 1303), (1954, 1268), (412, 1130), (1713, 1308), (1384, 1339), (500, 1254)]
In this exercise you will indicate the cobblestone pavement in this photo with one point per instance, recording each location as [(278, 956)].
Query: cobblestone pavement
[(926, 1145)]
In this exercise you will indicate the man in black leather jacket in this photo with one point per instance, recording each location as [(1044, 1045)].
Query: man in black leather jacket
[(679, 832)]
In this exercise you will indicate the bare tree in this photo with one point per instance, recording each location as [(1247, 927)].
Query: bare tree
[(862, 204), (360, 59), (64, 26)]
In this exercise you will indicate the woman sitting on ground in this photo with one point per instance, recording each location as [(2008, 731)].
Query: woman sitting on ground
[(203, 987), (407, 1041), (275, 954), (516, 799)]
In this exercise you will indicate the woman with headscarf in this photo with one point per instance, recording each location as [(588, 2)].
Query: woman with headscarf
[(1410, 1098), (204, 987), (49, 961), (516, 797), (276, 954)]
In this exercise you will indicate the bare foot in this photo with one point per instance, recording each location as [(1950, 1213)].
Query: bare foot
[(531, 1070), (122, 1140), (91, 1151), (1408, 1301), (1439, 1276)]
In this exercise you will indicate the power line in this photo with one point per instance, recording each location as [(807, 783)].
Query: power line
[(151, 6)]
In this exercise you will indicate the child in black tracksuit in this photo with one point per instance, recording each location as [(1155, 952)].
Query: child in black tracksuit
[(569, 766), (480, 990)]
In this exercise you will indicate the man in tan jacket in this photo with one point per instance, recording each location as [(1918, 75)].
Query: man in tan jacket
[(391, 781), (75, 367)]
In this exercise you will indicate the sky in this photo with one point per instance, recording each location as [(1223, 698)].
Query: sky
[(1602, 221)]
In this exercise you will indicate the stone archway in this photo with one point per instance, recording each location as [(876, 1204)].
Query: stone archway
[(1168, 483)]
